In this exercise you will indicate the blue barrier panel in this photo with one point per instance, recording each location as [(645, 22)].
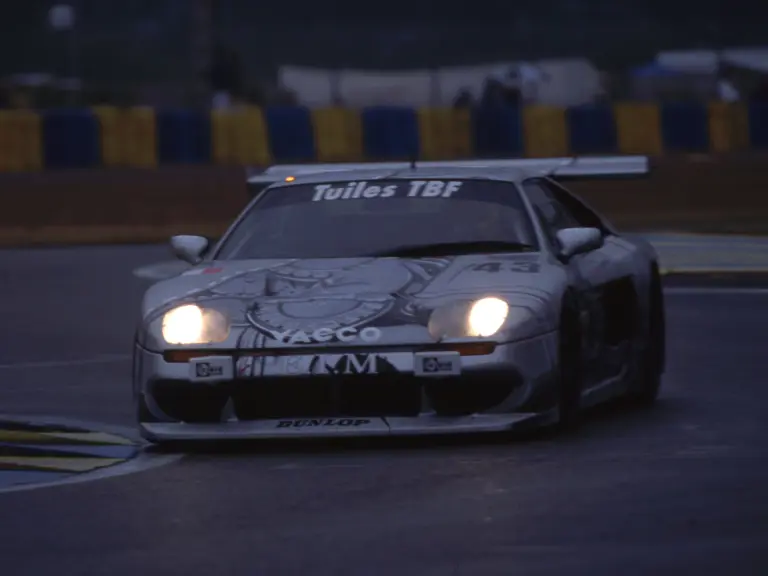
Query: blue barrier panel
[(390, 132), (71, 139), (183, 137), (685, 127), (592, 129), (291, 134), (498, 131), (758, 125)]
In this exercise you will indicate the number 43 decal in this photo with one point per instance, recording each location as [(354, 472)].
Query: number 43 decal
[(495, 267)]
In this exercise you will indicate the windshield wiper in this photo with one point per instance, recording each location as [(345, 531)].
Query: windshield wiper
[(455, 249)]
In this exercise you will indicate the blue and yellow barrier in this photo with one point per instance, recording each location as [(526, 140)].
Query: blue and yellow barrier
[(338, 135), (145, 138), (241, 138), (128, 137), (444, 133)]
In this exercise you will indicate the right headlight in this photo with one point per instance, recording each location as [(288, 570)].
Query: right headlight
[(191, 324)]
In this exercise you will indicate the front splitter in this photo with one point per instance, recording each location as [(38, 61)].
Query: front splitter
[(340, 427)]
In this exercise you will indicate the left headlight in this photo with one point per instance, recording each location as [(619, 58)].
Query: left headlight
[(486, 317), (480, 318), (191, 324)]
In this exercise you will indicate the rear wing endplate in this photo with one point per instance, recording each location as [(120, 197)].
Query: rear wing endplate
[(588, 167)]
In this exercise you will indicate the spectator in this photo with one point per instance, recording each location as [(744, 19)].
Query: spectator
[(493, 94), (463, 99), (511, 88), (761, 94), (225, 77), (255, 96), (513, 96), (726, 90), (5, 98)]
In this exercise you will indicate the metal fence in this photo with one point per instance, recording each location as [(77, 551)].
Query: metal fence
[(157, 47)]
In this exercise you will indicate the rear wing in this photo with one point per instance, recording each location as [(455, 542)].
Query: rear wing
[(567, 168)]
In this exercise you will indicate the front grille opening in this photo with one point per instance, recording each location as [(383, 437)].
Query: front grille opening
[(463, 397), (355, 396), (191, 404), (380, 398), (318, 397)]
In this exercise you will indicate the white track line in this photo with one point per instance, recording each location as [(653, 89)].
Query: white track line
[(105, 359), (715, 291), (140, 463)]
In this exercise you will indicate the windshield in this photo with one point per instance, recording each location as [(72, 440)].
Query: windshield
[(348, 219)]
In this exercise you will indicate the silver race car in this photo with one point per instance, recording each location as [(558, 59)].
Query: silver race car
[(388, 299)]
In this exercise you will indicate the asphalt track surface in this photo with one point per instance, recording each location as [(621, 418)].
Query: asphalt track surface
[(677, 490)]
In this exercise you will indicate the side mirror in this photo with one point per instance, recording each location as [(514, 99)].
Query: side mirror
[(189, 248), (575, 241)]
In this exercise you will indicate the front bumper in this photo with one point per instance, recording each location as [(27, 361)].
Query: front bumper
[(287, 396)]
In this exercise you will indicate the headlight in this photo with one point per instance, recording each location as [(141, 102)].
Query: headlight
[(480, 318), (190, 324), (486, 317)]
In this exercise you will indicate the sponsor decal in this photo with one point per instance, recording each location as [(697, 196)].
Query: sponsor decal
[(211, 368), (208, 370), (295, 364), (370, 334), (435, 365), (323, 422), (351, 364), (200, 271), (521, 266), (245, 366), (409, 189), (439, 364)]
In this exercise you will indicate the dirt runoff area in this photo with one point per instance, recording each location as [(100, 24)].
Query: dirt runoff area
[(688, 194)]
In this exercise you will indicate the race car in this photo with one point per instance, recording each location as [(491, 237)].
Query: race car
[(402, 299)]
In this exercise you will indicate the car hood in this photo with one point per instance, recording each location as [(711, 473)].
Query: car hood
[(343, 302)]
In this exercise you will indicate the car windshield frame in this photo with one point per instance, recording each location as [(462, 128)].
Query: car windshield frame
[(222, 251)]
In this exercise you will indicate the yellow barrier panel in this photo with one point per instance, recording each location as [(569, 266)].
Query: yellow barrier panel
[(338, 134), (240, 137), (728, 127), (638, 128), (221, 141), (445, 133), (21, 141), (141, 141), (545, 131), (110, 140), (128, 136)]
